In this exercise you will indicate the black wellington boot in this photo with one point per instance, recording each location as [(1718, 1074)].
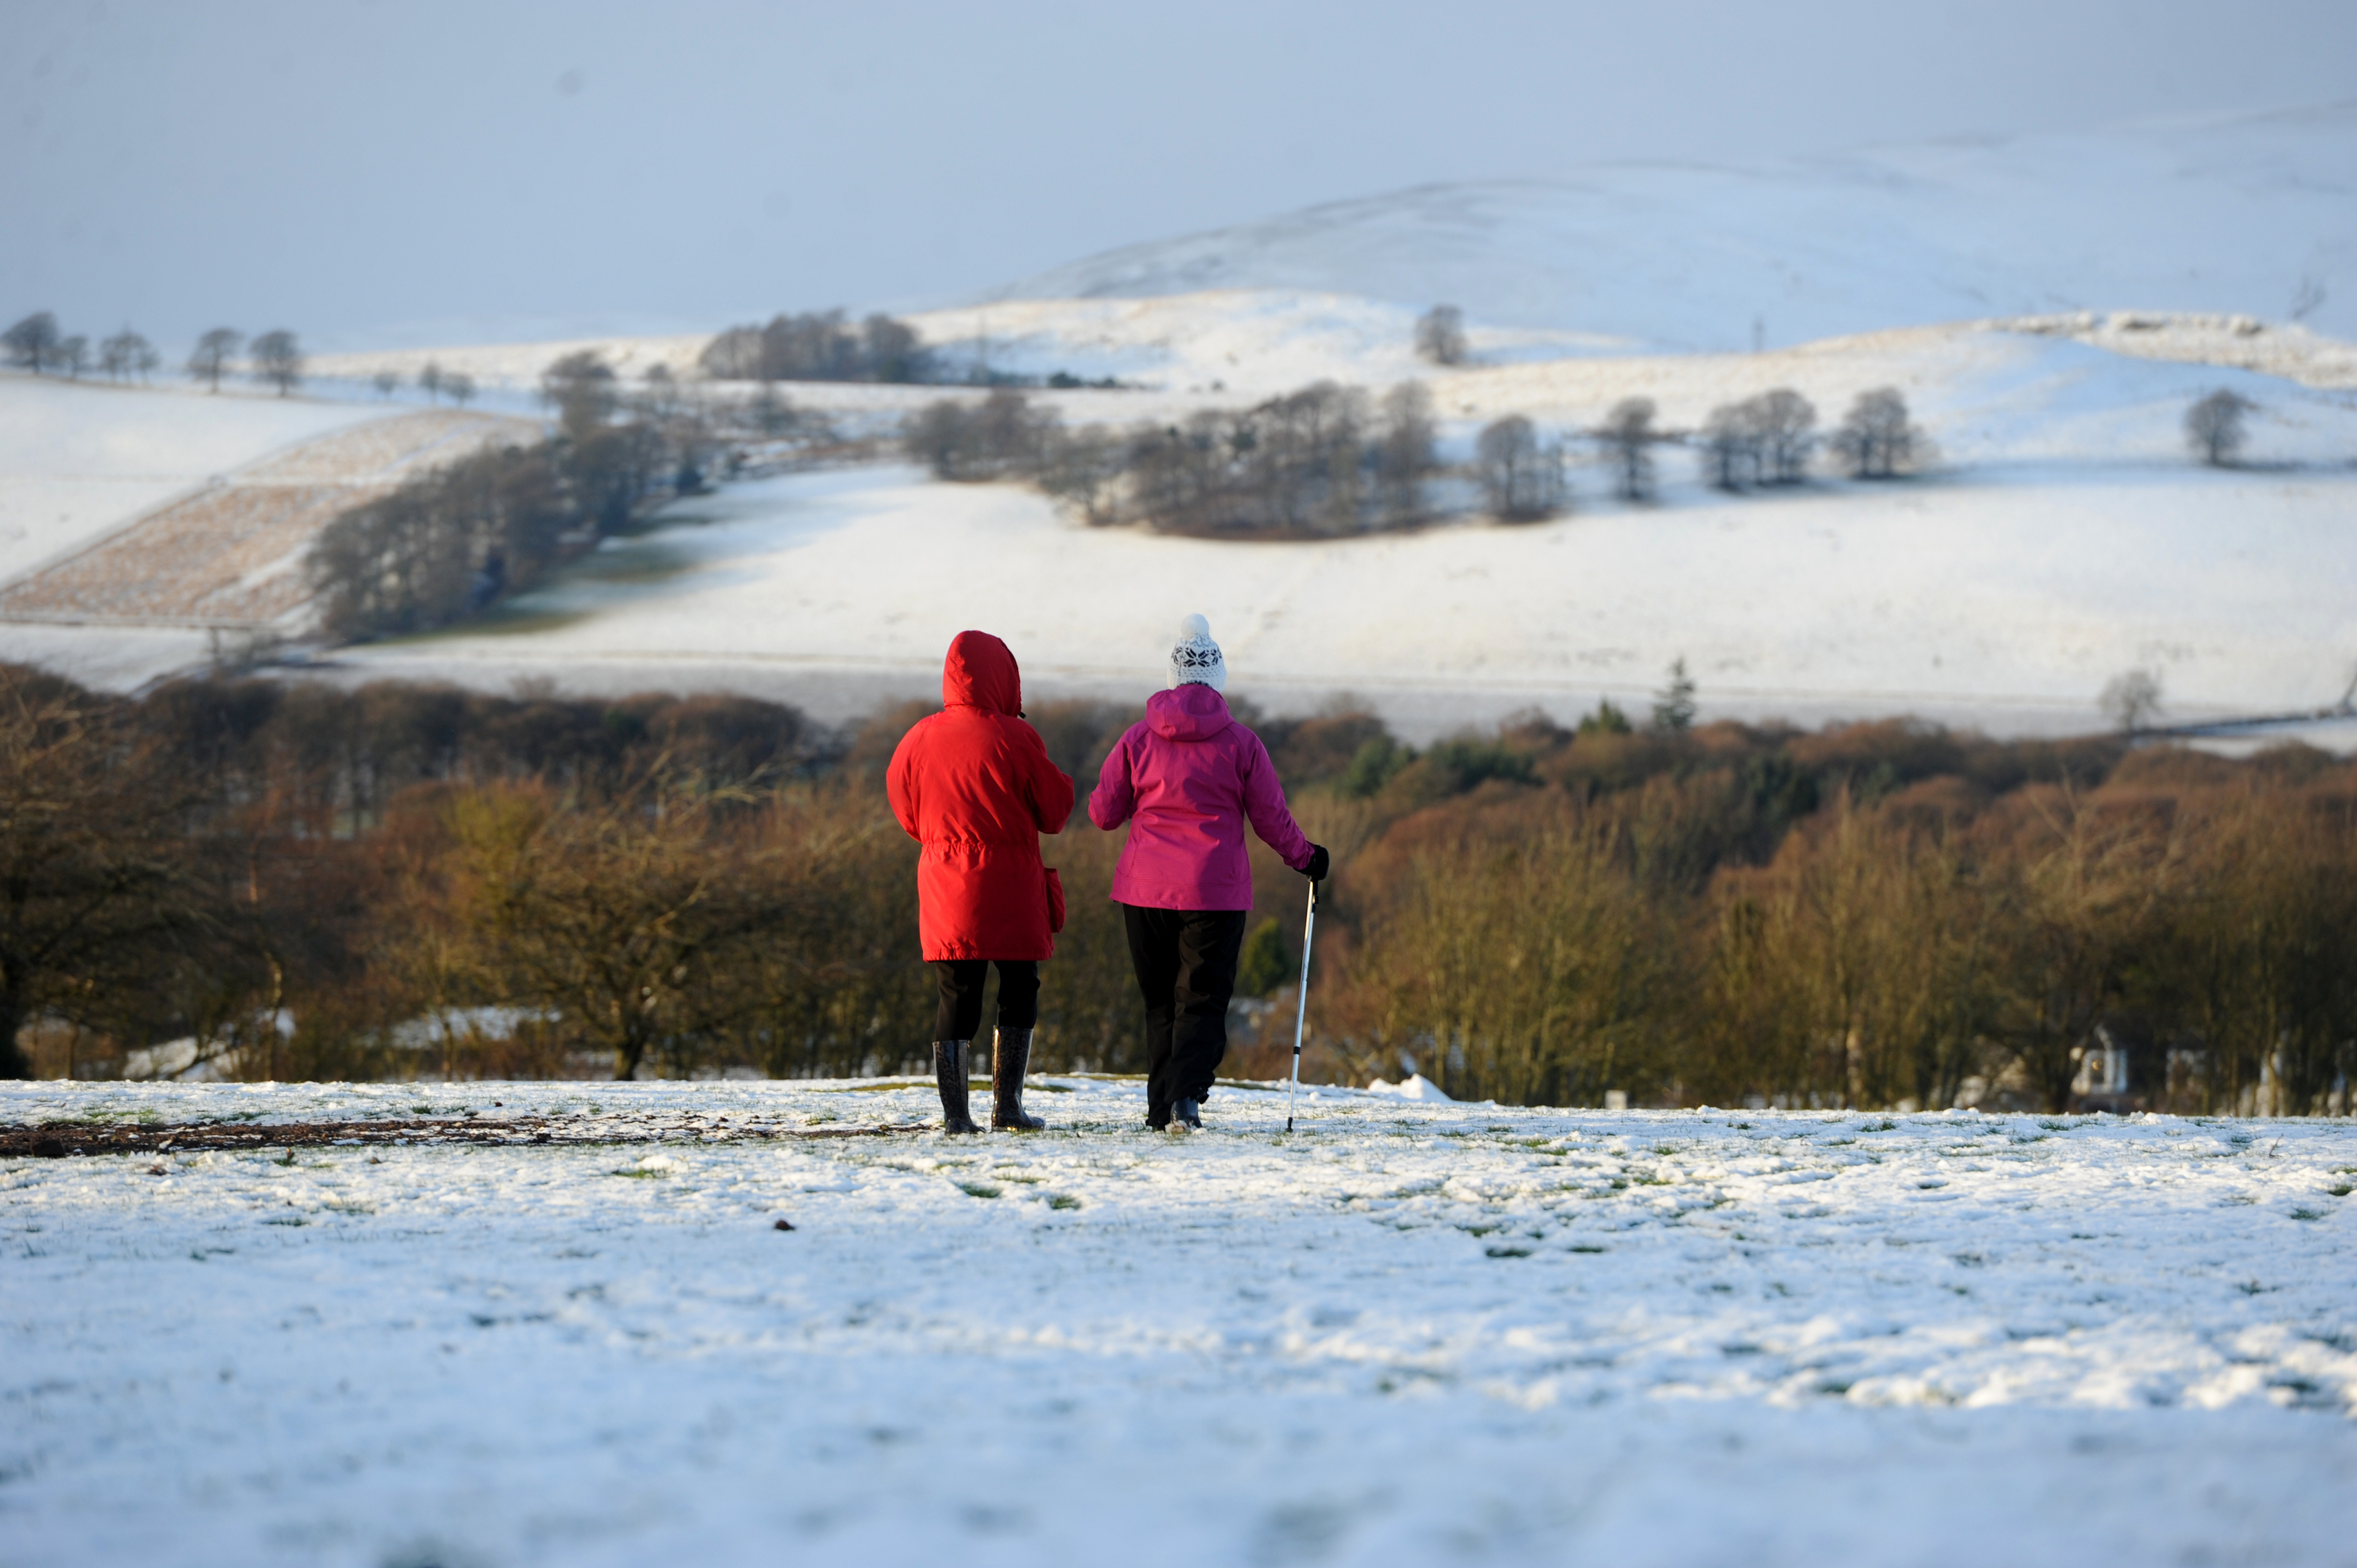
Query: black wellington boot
[(1010, 1055), (949, 1072), (1186, 1116)]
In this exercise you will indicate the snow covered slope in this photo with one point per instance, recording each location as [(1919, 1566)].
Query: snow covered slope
[(2247, 224), (1410, 1333), (2252, 214), (133, 519), (2004, 599), (79, 459)]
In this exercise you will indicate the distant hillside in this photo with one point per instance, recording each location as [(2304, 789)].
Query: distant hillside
[(2252, 214)]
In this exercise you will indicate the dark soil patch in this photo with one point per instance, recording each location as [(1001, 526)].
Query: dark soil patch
[(55, 1140)]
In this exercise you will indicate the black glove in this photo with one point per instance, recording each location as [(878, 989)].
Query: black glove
[(1317, 868)]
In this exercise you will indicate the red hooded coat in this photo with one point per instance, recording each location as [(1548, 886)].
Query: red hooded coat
[(974, 785)]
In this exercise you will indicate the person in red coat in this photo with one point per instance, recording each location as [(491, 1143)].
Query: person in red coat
[(972, 784)]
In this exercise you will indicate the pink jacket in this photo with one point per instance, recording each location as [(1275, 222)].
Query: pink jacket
[(1186, 778)]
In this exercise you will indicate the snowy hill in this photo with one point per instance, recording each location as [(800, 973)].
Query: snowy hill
[(2254, 214), (2247, 225), (2048, 306)]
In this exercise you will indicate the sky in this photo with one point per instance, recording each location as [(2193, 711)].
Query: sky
[(387, 173)]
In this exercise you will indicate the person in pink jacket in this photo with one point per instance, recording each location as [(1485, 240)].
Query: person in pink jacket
[(1187, 778)]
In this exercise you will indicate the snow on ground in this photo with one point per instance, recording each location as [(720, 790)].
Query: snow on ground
[(1232, 348), (232, 553), (1252, 341), (136, 521), (1986, 396), (510, 368), (79, 459), (1410, 1332), (2005, 598), (2244, 214)]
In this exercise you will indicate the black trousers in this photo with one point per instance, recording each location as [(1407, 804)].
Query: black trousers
[(960, 1013), (1186, 964)]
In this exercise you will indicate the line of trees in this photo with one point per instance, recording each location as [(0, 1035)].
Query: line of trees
[(820, 346), (275, 358), (460, 539), (1328, 461), (1771, 439), (37, 344), (306, 881), (1324, 461), (434, 381)]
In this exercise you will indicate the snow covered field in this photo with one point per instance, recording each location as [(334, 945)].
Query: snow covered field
[(2003, 599), (1412, 1332), (79, 459)]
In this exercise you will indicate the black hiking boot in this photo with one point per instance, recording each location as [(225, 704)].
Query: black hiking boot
[(949, 1072), (1010, 1054), (1186, 1116)]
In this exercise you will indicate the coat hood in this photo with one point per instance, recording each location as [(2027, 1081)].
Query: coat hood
[(1192, 712), (981, 672)]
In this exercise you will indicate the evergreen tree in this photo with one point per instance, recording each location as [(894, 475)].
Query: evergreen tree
[(1673, 706)]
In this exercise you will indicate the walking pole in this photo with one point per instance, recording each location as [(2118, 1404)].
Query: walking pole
[(1301, 1010)]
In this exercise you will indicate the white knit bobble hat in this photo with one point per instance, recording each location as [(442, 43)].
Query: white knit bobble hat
[(1196, 659)]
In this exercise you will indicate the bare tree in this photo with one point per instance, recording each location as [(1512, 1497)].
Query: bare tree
[(125, 353), (891, 349), (212, 354), (1731, 445), (2213, 428), (429, 381), (771, 414), (1403, 452), (33, 341), (1083, 469), (1785, 423), (581, 386), (1522, 480), (1875, 439), (459, 387), (73, 355), (278, 360), (735, 355), (1003, 436), (2131, 699), (628, 917), (660, 401), (1440, 335), (1629, 435), (386, 382)]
